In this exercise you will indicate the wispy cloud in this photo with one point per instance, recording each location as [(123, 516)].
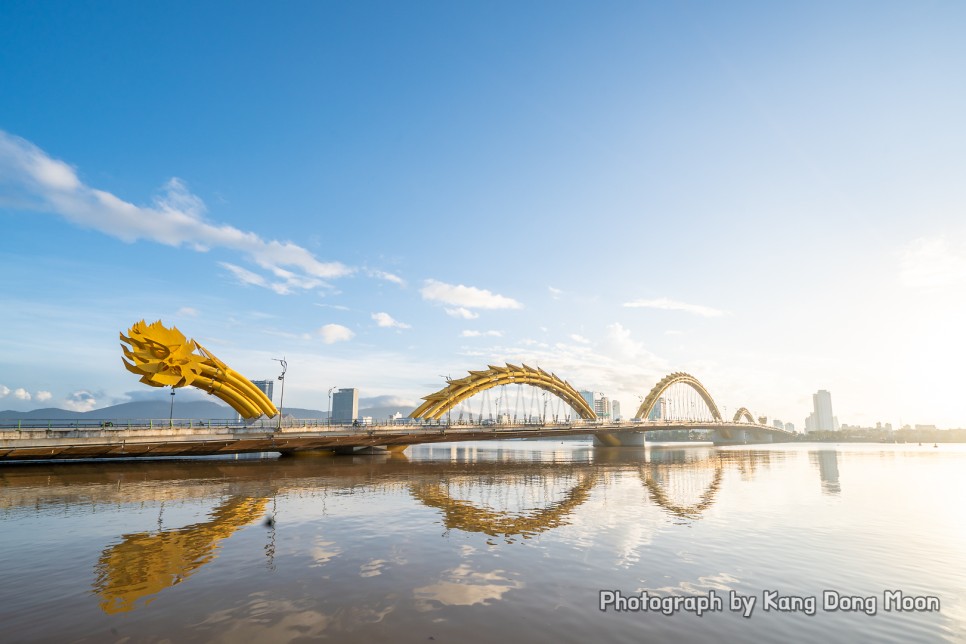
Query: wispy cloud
[(579, 338), (932, 263), (385, 320), (673, 305), (332, 333), (462, 313), (479, 334), (389, 277), (43, 396), (188, 311), (555, 293), (387, 401), (466, 296), (33, 180)]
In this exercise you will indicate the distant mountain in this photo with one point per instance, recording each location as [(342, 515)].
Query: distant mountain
[(159, 409), (129, 411)]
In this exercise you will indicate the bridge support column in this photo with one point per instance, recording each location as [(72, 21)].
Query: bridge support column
[(619, 439)]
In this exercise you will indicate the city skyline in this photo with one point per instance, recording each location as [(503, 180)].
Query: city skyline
[(389, 197)]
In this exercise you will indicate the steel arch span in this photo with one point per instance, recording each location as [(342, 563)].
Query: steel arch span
[(672, 379), (744, 413), (456, 391)]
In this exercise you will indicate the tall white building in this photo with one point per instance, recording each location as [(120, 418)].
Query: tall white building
[(615, 410), (821, 418)]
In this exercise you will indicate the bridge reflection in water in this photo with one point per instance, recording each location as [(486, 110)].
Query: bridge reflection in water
[(146, 563), (478, 491)]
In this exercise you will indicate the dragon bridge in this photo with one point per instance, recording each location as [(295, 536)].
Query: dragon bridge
[(455, 391), (164, 357), (678, 377)]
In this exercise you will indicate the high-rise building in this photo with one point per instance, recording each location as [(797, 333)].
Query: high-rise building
[(588, 396), (615, 410), (345, 405), (602, 407), (657, 413), (267, 387), (821, 419), (790, 427)]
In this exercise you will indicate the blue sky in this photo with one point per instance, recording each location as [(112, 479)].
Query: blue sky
[(766, 195)]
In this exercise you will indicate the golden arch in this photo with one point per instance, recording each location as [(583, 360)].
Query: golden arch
[(744, 413), (459, 390), (164, 357), (673, 379)]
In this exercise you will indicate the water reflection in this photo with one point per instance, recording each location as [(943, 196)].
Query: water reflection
[(502, 493), (526, 521), (463, 586), (827, 461), (473, 543), (145, 563), (686, 488)]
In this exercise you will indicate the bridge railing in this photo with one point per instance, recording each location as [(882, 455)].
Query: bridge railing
[(269, 424)]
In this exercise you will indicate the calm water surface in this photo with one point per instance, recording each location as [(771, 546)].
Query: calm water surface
[(479, 542)]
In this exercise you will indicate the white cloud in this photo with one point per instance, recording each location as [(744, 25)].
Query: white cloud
[(21, 394), (673, 305), (462, 313), (555, 293), (385, 320), (618, 365), (332, 333), (466, 296), (479, 334), (289, 279), (579, 338), (81, 400), (176, 217), (4, 391), (187, 311), (244, 276), (932, 263), (43, 396), (389, 277)]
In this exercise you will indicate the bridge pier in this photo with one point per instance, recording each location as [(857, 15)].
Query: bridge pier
[(619, 439), (741, 436)]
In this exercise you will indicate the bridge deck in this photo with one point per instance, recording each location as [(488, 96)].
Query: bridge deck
[(67, 443)]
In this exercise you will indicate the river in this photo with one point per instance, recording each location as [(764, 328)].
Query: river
[(533, 541)]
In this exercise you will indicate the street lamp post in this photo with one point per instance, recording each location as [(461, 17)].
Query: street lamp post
[(281, 396), (449, 412), (331, 389), (171, 412)]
